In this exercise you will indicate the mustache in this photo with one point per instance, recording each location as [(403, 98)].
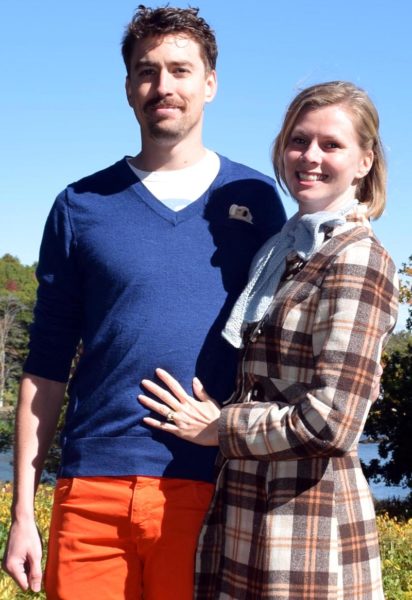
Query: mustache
[(159, 102)]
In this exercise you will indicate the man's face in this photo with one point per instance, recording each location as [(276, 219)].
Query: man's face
[(168, 86)]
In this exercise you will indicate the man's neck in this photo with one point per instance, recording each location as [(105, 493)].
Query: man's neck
[(159, 157)]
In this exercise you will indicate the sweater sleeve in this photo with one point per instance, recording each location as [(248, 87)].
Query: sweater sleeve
[(355, 313), (55, 331)]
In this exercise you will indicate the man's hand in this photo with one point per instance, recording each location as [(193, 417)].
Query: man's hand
[(22, 559)]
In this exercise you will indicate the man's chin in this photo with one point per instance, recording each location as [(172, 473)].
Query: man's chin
[(159, 133)]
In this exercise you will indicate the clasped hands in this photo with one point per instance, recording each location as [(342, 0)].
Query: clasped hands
[(194, 420)]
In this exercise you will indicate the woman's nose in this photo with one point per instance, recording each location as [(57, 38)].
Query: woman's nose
[(312, 153)]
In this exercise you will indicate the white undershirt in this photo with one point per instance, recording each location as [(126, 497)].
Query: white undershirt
[(177, 189)]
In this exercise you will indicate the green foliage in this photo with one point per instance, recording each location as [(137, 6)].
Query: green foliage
[(395, 540), (395, 508), (6, 434), (398, 342), (405, 292), (390, 420), (20, 281), (44, 498), (17, 296)]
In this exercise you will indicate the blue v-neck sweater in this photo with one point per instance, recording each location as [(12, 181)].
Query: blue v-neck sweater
[(142, 287)]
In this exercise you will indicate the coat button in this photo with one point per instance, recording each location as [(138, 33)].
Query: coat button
[(257, 392), (255, 335)]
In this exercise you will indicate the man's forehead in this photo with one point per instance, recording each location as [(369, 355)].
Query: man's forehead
[(172, 42)]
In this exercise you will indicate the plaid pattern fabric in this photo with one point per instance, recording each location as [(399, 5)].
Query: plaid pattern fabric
[(292, 517)]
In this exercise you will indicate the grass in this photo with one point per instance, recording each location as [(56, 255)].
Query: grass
[(395, 537), (8, 589)]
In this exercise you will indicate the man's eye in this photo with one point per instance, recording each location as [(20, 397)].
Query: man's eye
[(145, 72)]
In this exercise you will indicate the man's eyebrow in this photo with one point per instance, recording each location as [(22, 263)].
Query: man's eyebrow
[(145, 62)]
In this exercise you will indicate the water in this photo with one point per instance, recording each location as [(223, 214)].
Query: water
[(6, 467), (366, 452)]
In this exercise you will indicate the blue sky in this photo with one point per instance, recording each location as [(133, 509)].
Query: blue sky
[(63, 112)]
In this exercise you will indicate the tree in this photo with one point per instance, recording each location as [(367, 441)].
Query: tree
[(17, 295), (10, 330), (390, 419), (20, 280), (405, 292)]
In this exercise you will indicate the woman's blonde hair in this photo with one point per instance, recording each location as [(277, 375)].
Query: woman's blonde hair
[(371, 189)]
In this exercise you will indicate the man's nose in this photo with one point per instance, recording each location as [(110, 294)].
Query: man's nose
[(164, 83)]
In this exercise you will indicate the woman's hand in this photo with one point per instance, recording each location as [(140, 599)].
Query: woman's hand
[(187, 418)]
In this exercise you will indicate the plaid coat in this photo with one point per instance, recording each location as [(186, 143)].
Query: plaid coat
[(292, 517)]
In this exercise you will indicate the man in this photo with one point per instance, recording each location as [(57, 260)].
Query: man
[(142, 263)]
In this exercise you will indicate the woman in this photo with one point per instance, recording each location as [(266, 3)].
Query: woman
[(292, 517)]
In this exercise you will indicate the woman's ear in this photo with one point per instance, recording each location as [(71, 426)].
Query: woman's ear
[(365, 164)]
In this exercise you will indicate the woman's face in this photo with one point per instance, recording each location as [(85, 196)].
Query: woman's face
[(323, 159)]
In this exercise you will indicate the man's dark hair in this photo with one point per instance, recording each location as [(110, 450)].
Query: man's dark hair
[(167, 20)]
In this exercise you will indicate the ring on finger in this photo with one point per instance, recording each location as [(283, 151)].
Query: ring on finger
[(170, 417)]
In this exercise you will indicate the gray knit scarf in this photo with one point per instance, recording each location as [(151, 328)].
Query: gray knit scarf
[(303, 234)]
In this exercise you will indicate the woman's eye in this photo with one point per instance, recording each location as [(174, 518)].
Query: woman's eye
[(298, 141)]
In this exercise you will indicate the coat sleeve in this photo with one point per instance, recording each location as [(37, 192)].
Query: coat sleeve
[(55, 331), (355, 312)]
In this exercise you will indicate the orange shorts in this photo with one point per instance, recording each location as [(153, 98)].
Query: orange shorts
[(126, 538)]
